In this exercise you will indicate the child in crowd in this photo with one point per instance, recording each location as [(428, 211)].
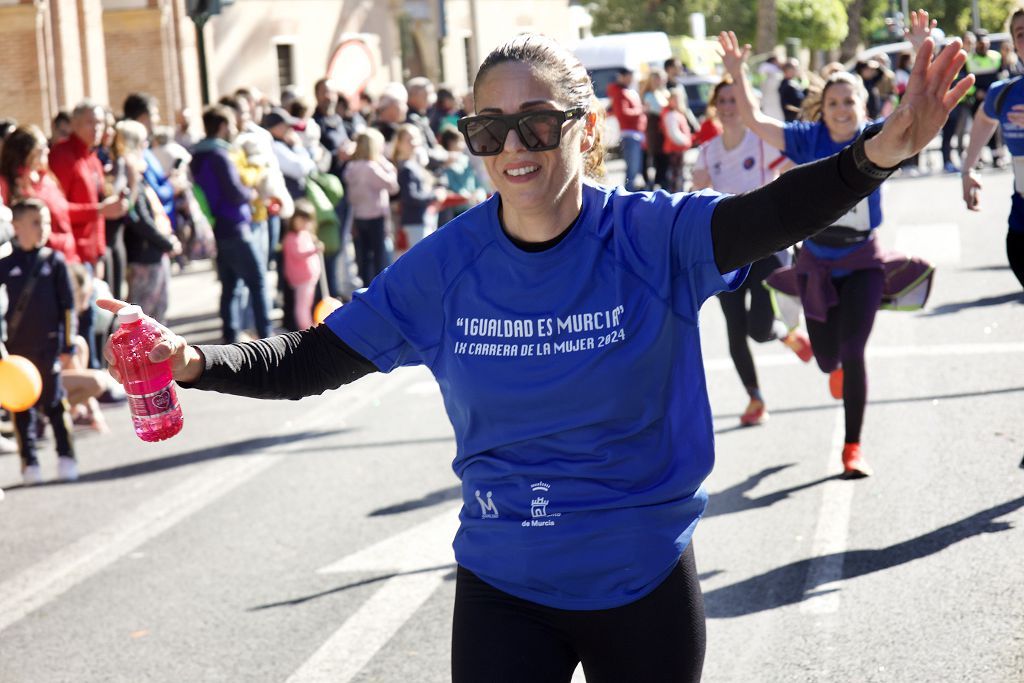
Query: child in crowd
[(83, 384), (416, 185), (370, 179), (302, 260), (460, 177), (40, 327)]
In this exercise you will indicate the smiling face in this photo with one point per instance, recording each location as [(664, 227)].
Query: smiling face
[(842, 110), (533, 182), (1017, 31), (725, 105)]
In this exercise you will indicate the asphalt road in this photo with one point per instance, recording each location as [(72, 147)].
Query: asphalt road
[(309, 541)]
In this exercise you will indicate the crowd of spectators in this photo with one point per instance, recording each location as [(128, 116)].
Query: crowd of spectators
[(294, 201)]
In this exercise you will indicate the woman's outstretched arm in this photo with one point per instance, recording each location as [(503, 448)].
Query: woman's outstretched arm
[(287, 366)]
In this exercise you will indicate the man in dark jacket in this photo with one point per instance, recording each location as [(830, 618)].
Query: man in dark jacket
[(238, 260)]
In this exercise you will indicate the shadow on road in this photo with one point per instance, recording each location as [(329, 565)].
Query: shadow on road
[(450, 576), (786, 585), (425, 501), (872, 402), (733, 499), (243, 447), (945, 309)]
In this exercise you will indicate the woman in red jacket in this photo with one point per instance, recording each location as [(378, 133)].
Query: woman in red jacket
[(24, 173), (677, 137)]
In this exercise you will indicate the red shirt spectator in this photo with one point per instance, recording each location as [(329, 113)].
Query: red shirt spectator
[(46, 190), (709, 130), (24, 173), (626, 105), (80, 174)]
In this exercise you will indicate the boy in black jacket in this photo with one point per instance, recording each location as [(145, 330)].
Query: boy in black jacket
[(41, 327)]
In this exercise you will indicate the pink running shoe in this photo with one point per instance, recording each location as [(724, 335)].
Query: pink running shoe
[(854, 466), (835, 383), (755, 414), (800, 345)]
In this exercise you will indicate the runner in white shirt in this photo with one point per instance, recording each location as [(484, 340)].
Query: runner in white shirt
[(738, 161)]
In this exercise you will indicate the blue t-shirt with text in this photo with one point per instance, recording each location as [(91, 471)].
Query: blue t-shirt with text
[(574, 381), (1013, 136), (807, 142)]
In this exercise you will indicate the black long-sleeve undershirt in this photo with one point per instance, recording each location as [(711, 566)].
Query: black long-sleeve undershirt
[(796, 205), (289, 366), (744, 228)]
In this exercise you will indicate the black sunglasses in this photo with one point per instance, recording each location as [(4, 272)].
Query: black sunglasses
[(539, 129)]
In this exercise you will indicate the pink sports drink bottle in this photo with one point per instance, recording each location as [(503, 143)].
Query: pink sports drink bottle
[(152, 400)]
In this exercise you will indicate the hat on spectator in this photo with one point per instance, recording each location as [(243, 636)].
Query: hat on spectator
[(278, 116)]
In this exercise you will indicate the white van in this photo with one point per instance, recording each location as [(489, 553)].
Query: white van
[(603, 56)]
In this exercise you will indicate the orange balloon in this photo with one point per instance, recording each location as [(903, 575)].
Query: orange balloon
[(20, 383), (324, 308)]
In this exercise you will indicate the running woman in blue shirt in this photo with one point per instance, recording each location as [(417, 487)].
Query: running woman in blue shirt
[(840, 269), (1003, 107), (560, 320)]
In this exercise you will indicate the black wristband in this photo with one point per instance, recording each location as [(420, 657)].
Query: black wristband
[(860, 158)]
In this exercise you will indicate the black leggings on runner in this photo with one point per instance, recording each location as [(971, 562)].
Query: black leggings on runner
[(1015, 253), (757, 322), (499, 638), (841, 340)]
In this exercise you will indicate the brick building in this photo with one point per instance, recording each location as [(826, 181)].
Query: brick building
[(57, 52)]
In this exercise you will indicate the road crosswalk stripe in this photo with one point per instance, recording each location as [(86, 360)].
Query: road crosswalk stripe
[(822, 588)]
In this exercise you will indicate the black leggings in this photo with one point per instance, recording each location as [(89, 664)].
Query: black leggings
[(1015, 253), (499, 638), (757, 322), (53, 404), (842, 338)]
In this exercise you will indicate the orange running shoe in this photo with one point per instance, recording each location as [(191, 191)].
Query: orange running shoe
[(835, 383), (854, 466), (755, 414), (800, 345)]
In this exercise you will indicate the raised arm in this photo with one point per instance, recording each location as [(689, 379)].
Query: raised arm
[(919, 28), (734, 57), (838, 182)]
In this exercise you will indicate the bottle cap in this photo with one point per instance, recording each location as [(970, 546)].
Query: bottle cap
[(129, 314)]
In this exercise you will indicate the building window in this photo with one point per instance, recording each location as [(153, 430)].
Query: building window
[(285, 65)]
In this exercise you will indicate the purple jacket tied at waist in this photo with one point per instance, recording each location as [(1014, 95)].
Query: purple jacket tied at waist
[(810, 278)]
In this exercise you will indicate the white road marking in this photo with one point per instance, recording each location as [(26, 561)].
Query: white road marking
[(825, 573), (423, 389), (938, 243), (936, 350), (48, 579), (421, 556)]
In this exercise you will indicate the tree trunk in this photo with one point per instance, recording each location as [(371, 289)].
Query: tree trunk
[(767, 26), (850, 46)]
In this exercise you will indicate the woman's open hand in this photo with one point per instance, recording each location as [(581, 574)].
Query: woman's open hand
[(186, 363), (925, 105), (734, 55), (919, 29)]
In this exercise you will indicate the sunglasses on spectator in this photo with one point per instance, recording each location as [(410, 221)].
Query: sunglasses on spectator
[(538, 129)]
